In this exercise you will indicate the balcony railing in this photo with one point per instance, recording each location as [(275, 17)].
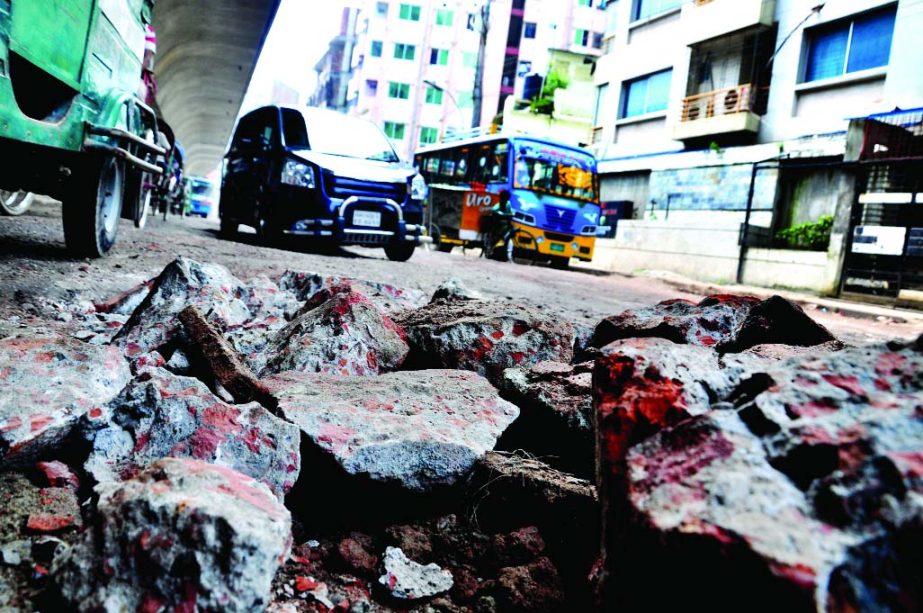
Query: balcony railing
[(729, 101)]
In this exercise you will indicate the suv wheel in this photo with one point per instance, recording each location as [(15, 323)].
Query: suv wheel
[(400, 252)]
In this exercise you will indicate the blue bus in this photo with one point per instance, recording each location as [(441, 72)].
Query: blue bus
[(554, 193)]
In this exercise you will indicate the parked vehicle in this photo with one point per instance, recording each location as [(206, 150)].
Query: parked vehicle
[(552, 186), (169, 189), (73, 125), (199, 198), (323, 175)]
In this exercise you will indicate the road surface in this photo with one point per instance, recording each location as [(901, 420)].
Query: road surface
[(35, 267)]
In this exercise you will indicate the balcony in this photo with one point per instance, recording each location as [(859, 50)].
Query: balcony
[(707, 19), (724, 111)]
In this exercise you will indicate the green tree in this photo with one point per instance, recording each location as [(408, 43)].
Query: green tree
[(544, 103)]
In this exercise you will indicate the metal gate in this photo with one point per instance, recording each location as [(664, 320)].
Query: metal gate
[(884, 255)]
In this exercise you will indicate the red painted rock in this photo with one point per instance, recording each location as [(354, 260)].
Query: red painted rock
[(164, 415), (533, 587), (726, 322), (182, 283), (46, 383), (556, 404), (58, 510), (798, 499), (58, 474), (485, 337), (645, 384), (418, 430), (391, 299), (183, 535), (345, 335)]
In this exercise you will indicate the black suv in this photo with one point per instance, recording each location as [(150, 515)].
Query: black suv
[(317, 173)]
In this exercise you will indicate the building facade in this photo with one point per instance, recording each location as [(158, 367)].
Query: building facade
[(414, 64), (334, 67), (710, 113)]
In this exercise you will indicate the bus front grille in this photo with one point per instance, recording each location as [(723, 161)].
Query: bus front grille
[(559, 218)]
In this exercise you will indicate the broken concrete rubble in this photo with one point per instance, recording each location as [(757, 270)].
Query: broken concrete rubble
[(347, 335), (409, 580), (46, 383), (391, 299), (417, 430), (184, 282), (164, 540), (555, 400), (164, 415), (797, 494), (484, 337), (729, 323), (454, 289)]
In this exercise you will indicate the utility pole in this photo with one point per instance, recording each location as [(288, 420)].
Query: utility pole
[(477, 93)]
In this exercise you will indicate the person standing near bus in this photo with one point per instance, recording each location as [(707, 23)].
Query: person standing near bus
[(501, 226)]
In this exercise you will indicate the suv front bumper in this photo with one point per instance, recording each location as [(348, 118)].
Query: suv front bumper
[(340, 230)]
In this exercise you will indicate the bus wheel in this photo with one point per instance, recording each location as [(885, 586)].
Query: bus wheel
[(400, 252), (560, 262), (93, 206)]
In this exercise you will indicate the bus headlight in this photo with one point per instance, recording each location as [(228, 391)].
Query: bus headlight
[(418, 188), (298, 174)]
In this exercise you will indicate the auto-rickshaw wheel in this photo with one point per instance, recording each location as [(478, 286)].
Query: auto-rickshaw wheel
[(93, 206), (15, 203), (137, 198), (400, 252)]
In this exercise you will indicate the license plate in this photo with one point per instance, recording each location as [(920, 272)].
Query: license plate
[(557, 248), (369, 219)]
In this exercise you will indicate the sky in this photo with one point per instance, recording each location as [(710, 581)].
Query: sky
[(298, 38)]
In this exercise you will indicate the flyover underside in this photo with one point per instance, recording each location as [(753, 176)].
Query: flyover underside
[(206, 53)]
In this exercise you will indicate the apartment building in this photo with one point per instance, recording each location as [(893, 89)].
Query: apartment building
[(414, 63), (334, 67), (713, 112)]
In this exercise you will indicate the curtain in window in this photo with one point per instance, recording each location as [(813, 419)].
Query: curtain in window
[(871, 42), (648, 8), (827, 54)]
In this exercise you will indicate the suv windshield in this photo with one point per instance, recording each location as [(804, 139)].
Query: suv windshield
[(349, 137)]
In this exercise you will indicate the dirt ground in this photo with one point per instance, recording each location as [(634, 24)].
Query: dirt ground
[(34, 265)]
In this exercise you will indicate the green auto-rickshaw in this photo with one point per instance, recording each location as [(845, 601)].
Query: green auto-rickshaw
[(72, 124)]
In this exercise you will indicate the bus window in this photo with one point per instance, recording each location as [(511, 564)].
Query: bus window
[(461, 166), (499, 162)]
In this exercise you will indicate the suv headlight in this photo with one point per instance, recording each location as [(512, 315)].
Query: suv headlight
[(298, 174), (418, 188)]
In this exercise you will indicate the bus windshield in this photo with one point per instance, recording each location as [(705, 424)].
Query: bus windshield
[(555, 177)]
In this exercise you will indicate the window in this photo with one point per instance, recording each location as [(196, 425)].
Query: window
[(399, 90), (428, 136), (381, 9), (490, 162), (410, 12), (444, 17), (585, 2), (849, 46), (602, 92), (433, 95), (469, 59), (465, 100), (293, 129), (404, 52), (371, 87), (395, 130), (581, 37), (597, 40), (529, 29), (375, 51), (255, 131), (648, 8), (647, 94), (439, 57)]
